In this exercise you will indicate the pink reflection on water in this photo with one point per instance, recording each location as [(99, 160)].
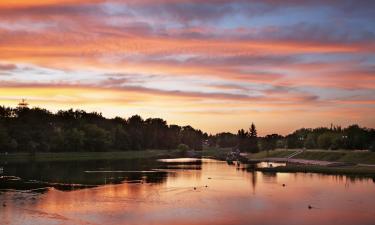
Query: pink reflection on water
[(215, 194)]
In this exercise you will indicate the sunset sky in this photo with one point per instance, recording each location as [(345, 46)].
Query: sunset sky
[(217, 65)]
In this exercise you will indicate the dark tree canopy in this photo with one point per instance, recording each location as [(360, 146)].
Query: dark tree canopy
[(353, 137), (335, 137), (31, 130), (248, 140)]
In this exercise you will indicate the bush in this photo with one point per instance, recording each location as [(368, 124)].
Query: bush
[(183, 147), (372, 146)]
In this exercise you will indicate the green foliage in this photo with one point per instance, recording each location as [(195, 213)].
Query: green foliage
[(4, 138), (192, 138), (271, 142), (310, 142), (38, 130), (224, 140), (372, 146), (352, 137), (325, 140), (182, 148)]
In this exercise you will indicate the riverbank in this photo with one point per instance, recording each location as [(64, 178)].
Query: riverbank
[(315, 161), (355, 157), (366, 171), (84, 156), (357, 163)]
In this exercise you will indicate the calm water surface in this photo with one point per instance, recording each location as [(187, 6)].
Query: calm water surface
[(183, 191)]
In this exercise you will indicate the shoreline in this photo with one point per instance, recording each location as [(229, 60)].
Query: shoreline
[(86, 156), (351, 163), (293, 164), (356, 171)]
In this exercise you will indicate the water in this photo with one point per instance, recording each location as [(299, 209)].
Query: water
[(182, 191)]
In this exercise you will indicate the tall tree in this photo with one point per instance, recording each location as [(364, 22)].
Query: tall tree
[(253, 139)]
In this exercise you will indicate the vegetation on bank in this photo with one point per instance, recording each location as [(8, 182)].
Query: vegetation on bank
[(362, 157), (339, 156), (352, 137), (347, 170), (37, 130), (85, 156), (271, 154)]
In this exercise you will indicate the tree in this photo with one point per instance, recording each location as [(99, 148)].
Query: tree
[(269, 142), (253, 131), (192, 138), (310, 142), (248, 141), (25, 129), (253, 139), (226, 140), (135, 127), (96, 138), (325, 140), (120, 138), (74, 140), (242, 140), (4, 139)]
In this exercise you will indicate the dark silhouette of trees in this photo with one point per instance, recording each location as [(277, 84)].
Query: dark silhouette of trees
[(192, 138), (224, 140), (335, 137), (243, 141), (253, 139), (30, 130), (248, 141), (270, 142), (253, 131)]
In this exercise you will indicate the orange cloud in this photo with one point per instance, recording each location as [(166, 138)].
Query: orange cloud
[(188, 63)]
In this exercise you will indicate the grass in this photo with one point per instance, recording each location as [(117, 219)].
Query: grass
[(77, 156), (356, 157), (271, 154), (338, 156), (217, 153), (347, 170)]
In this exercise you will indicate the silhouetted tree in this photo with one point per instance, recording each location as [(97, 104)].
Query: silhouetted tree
[(269, 142), (248, 141), (24, 129)]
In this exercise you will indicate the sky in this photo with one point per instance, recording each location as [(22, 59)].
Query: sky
[(217, 65)]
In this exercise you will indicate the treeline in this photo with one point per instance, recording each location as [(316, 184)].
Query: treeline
[(352, 137), (245, 141), (29, 130)]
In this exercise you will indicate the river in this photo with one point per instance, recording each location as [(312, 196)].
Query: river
[(180, 192)]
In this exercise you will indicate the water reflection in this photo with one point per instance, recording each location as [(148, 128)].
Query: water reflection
[(184, 192)]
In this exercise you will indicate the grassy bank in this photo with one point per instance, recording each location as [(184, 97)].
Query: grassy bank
[(352, 157), (348, 170), (271, 154), (323, 155), (216, 153), (72, 156), (339, 156)]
